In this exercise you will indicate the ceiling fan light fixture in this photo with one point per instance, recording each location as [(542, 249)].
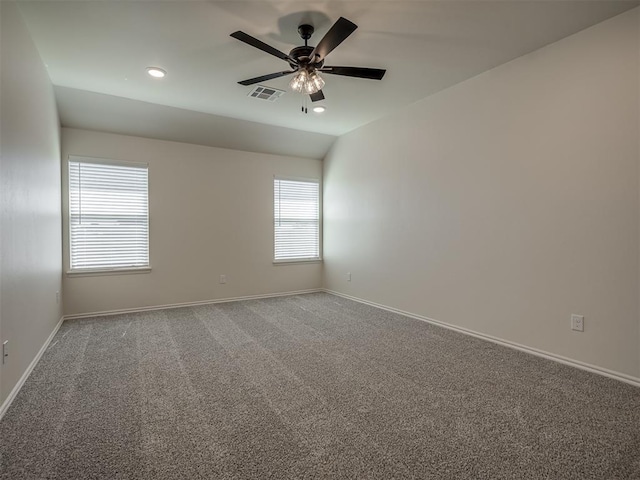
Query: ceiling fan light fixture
[(299, 81), (319, 109), (306, 82), (314, 83), (156, 72)]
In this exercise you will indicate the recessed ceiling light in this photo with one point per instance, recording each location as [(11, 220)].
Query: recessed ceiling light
[(319, 109), (156, 72)]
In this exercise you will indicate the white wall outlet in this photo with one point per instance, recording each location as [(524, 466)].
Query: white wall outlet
[(577, 323), (223, 279), (5, 351), (57, 297), (348, 276)]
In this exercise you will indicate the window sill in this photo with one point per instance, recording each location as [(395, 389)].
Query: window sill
[(94, 272), (297, 260)]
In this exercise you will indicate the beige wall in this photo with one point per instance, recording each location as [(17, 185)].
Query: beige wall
[(211, 213), (506, 203), (30, 218)]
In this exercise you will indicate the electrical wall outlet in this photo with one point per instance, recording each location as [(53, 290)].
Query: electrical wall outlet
[(223, 279), (577, 323), (348, 276), (5, 351)]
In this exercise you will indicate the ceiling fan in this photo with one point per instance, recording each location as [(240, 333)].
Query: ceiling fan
[(307, 62)]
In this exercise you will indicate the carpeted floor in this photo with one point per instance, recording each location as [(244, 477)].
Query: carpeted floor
[(310, 386)]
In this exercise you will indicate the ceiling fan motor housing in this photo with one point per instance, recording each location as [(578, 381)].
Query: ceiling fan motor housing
[(301, 55)]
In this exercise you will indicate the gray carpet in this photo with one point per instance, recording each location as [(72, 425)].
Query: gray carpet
[(310, 386)]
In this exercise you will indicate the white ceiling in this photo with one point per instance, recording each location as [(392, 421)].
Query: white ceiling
[(426, 46), (96, 111)]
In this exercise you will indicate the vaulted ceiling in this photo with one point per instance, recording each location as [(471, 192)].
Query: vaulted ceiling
[(96, 53)]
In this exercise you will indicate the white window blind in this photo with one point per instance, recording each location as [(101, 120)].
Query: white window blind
[(108, 215), (297, 219)]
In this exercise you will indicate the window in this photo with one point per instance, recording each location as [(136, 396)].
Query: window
[(296, 207), (108, 215)]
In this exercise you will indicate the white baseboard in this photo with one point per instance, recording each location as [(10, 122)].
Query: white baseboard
[(188, 304), (14, 392), (623, 377)]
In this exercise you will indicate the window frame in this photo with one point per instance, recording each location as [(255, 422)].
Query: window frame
[(289, 261), (96, 271)]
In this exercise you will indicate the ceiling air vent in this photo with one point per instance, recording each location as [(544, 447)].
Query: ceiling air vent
[(266, 93)]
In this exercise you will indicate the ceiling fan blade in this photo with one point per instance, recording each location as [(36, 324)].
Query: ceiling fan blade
[(260, 45), (316, 97), (264, 78), (359, 72), (334, 37)]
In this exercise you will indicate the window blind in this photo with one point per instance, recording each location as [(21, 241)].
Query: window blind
[(108, 215), (297, 219)]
